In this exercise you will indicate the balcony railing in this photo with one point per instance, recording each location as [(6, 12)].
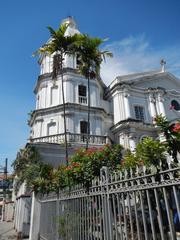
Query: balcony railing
[(82, 100), (72, 138)]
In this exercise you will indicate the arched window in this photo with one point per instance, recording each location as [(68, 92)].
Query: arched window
[(175, 105)]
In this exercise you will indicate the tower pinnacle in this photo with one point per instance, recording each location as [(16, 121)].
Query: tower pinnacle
[(70, 20)]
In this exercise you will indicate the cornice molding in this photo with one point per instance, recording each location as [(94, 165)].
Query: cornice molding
[(66, 71), (70, 107), (132, 123)]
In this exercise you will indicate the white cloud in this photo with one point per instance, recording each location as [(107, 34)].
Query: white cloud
[(135, 54)]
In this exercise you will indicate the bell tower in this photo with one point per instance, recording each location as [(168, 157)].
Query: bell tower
[(47, 119)]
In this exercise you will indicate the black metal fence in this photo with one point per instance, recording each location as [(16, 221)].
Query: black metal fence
[(135, 204)]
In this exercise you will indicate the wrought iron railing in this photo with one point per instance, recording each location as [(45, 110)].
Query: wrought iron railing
[(83, 100), (72, 138), (135, 204)]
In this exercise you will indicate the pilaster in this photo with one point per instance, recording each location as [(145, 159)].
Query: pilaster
[(127, 104)]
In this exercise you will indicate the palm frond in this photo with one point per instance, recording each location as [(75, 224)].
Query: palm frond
[(62, 28), (52, 32)]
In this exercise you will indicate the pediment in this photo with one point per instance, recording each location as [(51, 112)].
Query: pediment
[(163, 80)]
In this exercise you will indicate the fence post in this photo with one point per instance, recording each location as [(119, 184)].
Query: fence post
[(57, 216), (106, 206), (35, 219)]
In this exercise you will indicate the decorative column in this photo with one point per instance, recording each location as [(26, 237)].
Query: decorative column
[(124, 140), (126, 104), (152, 102), (132, 141), (160, 103)]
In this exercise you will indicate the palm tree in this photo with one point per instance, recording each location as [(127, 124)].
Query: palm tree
[(90, 57), (59, 46)]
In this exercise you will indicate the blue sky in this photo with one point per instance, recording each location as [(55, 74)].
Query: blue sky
[(140, 33)]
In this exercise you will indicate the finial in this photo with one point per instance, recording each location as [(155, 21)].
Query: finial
[(163, 63), (70, 20)]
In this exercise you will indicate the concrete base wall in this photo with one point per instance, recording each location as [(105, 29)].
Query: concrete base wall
[(9, 212), (52, 153), (22, 215)]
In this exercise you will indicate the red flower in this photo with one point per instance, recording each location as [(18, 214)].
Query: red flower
[(90, 151), (69, 167), (75, 164), (176, 128)]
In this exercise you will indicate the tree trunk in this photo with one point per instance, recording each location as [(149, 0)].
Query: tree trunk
[(88, 125), (64, 110)]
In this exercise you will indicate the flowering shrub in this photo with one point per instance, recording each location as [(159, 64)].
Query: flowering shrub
[(85, 165), (50, 180), (172, 135)]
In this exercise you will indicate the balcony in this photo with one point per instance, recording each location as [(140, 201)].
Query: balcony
[(83, 100), (72, 138)]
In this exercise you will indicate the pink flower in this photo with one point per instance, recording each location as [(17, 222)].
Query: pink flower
[(171, 107)]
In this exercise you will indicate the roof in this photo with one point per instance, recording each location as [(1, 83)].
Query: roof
[(2, 176), (135, 77)]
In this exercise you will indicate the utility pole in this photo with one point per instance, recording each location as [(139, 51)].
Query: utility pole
[(4, 188)]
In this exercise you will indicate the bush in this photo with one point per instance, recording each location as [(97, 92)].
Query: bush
[(172, 135), (148, 152), (85, 165)]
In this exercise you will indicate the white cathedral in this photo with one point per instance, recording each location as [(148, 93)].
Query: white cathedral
[(122, 112)]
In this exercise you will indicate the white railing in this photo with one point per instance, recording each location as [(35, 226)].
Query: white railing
[(82, 100), (72, 138)]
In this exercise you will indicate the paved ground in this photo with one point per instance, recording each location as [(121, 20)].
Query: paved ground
[(7, 231)]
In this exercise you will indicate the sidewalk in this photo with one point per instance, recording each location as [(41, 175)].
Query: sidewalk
[(7, 231)]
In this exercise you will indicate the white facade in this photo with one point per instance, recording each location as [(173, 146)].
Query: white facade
[(123, 111), (137, 99)]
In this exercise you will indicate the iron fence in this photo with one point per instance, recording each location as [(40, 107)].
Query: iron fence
[(135, 204)]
